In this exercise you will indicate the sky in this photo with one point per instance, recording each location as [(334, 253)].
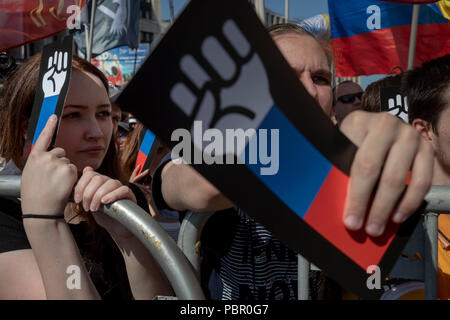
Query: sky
[(298, 9)]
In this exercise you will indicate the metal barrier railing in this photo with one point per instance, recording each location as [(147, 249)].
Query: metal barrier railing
[(438, 200), (173, 262), (182, 267), (189, 237)]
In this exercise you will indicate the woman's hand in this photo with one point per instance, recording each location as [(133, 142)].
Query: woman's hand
[(94, 190), (135, 178), (48, 176)]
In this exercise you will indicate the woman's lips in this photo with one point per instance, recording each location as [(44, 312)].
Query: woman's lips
[(93, 151)]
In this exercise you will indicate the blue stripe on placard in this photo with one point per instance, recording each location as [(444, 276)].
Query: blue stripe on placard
[(47, 109), (302, 168), (147, 142)]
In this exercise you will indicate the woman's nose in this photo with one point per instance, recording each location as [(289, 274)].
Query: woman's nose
[(93, 130)]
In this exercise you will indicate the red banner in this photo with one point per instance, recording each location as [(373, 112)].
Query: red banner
[(24, 21)]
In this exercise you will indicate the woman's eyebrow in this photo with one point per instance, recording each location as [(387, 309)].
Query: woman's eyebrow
[(107, 105), (77, 106)]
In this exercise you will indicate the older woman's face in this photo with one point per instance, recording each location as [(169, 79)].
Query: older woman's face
[(86, 125)]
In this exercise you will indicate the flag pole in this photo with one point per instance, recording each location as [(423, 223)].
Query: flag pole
[(86, 38), (91, 31), (135, 60), (413, 35), (259, 7), (286, 10), (172, 13)]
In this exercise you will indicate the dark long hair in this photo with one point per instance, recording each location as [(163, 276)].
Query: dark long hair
[(16, 105)]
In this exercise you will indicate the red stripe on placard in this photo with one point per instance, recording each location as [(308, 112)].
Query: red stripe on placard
[(141, 157), (325, 216)]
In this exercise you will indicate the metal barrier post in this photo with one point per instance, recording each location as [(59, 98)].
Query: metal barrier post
[(189, 236), (10, 186), (173, 262), (303, 278), (431, 255)]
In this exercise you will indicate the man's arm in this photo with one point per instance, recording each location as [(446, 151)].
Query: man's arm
[(183, 188)]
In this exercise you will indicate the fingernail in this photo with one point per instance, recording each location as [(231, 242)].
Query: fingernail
[(374, 229), (353, 222), (94, 207), (399, 217), (105, 200), (76, 197)]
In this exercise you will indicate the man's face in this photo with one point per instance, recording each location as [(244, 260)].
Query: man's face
[(305, 55), (348, 99), (441, 141)]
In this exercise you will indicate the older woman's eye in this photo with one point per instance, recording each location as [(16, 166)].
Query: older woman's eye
[(321, 80)]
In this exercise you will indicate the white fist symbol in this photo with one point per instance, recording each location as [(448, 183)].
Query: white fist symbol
[(230, 90), (398, 108), (55, 76)]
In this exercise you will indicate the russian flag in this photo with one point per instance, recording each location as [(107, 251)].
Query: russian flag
[(147, 149), (372, 37)]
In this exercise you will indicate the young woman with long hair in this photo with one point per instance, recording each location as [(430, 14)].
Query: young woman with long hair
[(47, 237)]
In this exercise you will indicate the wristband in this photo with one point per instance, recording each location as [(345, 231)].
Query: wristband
[(43, 216)]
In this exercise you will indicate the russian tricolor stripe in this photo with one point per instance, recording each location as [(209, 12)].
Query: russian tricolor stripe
[(147, 149), (372, 37)]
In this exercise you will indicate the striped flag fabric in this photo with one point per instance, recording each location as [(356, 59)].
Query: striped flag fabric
[(24, 21), (318, 25), (372, 37), (442, 7), (116, 24), (147, 149)]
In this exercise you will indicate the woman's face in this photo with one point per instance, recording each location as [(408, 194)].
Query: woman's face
[(86, 126)]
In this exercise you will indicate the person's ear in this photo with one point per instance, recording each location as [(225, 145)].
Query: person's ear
[(424, 128)]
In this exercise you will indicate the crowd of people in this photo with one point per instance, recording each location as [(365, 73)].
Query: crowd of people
[(56, 223)]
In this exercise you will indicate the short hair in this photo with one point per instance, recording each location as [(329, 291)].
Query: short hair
[(370, 100), (290, 28), (425, 87)]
